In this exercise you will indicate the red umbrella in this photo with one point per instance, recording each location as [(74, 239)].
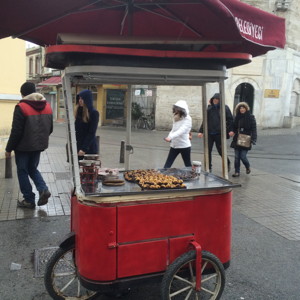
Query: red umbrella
[(189, 25)]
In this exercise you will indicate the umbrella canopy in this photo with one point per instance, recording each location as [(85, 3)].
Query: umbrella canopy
[(188, 25)]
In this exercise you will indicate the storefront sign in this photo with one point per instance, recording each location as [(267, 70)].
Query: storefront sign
[(115, 104), (271, 94)]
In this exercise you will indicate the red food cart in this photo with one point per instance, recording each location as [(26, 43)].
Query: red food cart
[(124, 235)]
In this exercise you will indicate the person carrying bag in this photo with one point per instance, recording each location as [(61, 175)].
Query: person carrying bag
[(245, 134)]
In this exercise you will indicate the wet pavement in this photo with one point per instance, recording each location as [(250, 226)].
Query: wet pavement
[(272, 200), (266, 215)]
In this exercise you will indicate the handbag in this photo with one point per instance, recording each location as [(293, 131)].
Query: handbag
[(243, 140)]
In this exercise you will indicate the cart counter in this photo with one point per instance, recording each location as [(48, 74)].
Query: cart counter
[(204, 184)]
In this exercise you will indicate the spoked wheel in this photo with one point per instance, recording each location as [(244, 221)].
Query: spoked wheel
[(61, 278), (179, 280)]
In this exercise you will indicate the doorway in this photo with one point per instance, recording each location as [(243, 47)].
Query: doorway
[(244, 92)]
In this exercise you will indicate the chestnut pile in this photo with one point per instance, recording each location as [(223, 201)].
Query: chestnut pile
[(153, 180)]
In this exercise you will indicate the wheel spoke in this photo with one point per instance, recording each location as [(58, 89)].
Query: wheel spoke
[(78, 288), (180, 291), (64, 274), (191, 269), (208, 278), (68, 284), (204, 266), (69, 263), (188, 295), (184, 280), (208, 291)]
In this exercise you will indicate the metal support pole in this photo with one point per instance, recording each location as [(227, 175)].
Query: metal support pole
[(122, 152), (8, 167), (223, 129), (128, 128), (205, 129), (73, 157)]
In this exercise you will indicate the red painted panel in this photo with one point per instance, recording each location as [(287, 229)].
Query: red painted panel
[(178, 246), (214, 224), (96, 230), (142, 258), (149, 221)]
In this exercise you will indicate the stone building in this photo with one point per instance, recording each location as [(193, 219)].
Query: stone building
[(270, 83)]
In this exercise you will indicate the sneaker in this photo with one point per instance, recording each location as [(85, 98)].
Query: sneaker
[(248, 171), (44, 196), (236, 174), (26, 204)]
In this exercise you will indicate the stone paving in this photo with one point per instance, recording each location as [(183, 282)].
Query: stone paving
[(271, 200)]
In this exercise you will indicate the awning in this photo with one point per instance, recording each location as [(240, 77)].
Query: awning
[(52, 81), (180, 25)]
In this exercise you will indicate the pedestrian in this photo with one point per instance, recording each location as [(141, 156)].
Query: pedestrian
[(86, 124), (244, 122), (32, 124), (214, 127), (179, 136)]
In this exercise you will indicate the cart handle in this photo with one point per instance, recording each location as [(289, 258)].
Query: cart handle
[(198, 264)]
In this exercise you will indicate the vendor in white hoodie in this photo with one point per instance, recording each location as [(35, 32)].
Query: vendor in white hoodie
[(179, 135)]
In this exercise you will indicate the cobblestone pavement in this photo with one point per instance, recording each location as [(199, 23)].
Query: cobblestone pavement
[(271, 200)]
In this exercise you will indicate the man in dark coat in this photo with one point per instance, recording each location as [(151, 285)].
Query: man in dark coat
[(214, 127), (32, 124)]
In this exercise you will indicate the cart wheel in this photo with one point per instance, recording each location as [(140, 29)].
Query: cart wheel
[(61, 279), (180, 279)]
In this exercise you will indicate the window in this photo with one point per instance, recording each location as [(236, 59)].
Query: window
[(30, 66), (37, 65)]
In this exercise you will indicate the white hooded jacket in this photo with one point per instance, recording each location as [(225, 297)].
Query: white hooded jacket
[(179, 134)]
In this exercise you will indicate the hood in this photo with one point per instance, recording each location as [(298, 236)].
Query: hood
[(34, 97), (87, 97), (35, 100), (183, 105), (215, 96), (244, 104), (37, 105)]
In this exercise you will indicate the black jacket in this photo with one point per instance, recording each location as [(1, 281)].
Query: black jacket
[(214, 120), (86, 132), (246, 124), (32, 124)]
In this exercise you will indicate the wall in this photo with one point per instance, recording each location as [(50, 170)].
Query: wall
[(12, 76), (169, 95)]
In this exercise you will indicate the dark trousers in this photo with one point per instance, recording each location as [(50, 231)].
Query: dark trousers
[(215, 138), (185, 154), (27, 163)]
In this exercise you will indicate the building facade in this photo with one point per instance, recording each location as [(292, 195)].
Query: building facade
[(12, 76), (270, 83)]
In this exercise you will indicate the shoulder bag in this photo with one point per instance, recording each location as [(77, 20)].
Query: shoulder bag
[(243, 140)]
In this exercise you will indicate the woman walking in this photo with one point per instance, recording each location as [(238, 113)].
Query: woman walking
[(179, 136), (244, 123)]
